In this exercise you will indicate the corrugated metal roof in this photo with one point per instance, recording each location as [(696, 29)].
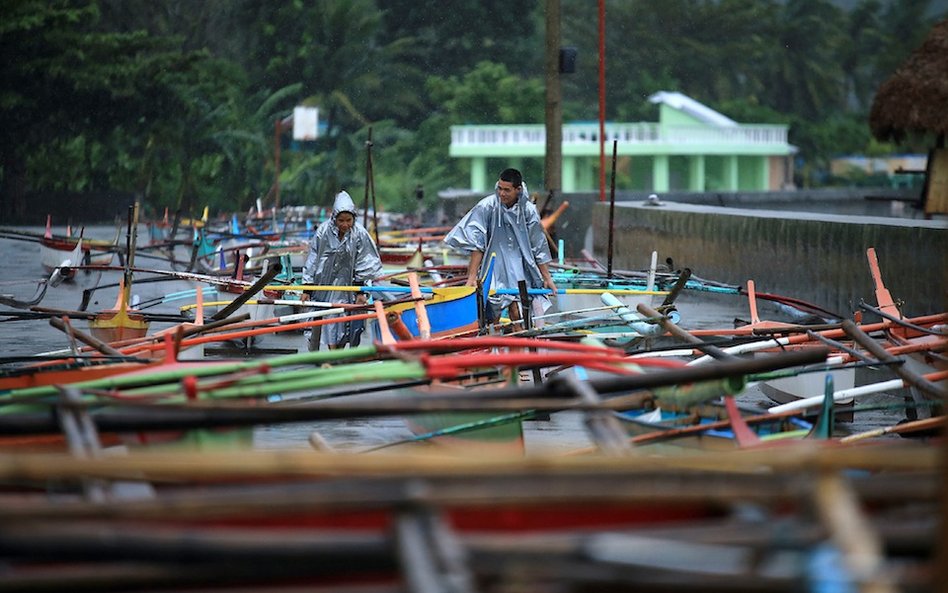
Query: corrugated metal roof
[(693, 108)]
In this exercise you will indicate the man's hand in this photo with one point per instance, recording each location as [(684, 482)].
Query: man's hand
[(474, 267), (305, 296), (547, 277), (361, 298)]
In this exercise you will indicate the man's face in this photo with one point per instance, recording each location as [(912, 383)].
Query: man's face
[(344, 222), (507, 193)]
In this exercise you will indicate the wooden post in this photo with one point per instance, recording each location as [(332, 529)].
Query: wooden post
[(941, 546), (602, 100), (553, 163), (424, 326)]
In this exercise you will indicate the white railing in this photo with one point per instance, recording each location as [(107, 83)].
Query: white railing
[(636, 133)]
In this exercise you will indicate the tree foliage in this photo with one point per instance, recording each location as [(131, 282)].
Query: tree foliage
[(176, 101)]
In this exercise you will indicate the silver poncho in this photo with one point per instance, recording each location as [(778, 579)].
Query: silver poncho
[(332, 261), (513, 234)]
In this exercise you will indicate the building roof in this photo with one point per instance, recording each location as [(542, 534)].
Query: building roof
[(915, 98), (693, 108)]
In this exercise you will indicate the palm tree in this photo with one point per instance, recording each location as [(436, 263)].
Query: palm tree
[(864, 27), (805, 77), (332, 50)]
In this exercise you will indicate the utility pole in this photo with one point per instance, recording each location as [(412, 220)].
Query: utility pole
[(553, 163), (602, 100)]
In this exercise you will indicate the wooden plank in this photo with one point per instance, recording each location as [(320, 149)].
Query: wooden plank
[(936, 194)]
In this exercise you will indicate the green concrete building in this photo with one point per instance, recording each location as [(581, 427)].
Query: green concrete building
[(691, 148)]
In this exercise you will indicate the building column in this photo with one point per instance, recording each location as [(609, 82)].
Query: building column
[(478, 173), (696, 172), (764, 173), (568, 174), (660, 180), (584, 176), (730, 173)]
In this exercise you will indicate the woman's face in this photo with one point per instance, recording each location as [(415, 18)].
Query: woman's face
[(344, 222)]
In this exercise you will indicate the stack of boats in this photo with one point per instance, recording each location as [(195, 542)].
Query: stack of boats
[(609, 444)]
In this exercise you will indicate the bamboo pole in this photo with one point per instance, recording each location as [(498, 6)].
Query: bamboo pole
[(829, 333), (683, 335), (908, 461), (248, 293), (604, 428), (177, 373), (605, 385), (846, 394), (916, 425), (96, 343), (909, 376), (862, 550)]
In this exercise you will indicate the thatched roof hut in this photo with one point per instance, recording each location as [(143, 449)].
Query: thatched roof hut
[(915, 98)]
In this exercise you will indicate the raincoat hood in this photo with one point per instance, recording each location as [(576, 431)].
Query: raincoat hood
[(343, 203), (515, 212)]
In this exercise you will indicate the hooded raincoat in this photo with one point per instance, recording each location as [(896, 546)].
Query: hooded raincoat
[(332, 261), (513, 235)]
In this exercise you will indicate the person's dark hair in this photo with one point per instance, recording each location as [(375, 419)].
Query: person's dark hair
[(512, 176)]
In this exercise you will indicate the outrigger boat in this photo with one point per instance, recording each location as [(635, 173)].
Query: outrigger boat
[(451, 311), (122, 321), (293, 379), (710, 426), (320, 522), (918, 343), (925, 346), (58, 251)]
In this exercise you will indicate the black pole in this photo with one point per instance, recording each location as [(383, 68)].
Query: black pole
[(368, 167), (482, 321), (249, 292), (526, 314), (370, 189), (375, 210), (612, 210), (676, 290)]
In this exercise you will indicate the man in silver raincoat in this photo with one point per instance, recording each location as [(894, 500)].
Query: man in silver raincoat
[(507, 225), (341, 253)]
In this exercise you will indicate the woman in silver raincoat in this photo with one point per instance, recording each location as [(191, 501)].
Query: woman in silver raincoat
[(507, 225), (341, 253)]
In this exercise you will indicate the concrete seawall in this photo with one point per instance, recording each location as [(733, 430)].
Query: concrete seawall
[(816, 257)]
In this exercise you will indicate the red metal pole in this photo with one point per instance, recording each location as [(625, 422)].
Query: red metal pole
[(602, 100)]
